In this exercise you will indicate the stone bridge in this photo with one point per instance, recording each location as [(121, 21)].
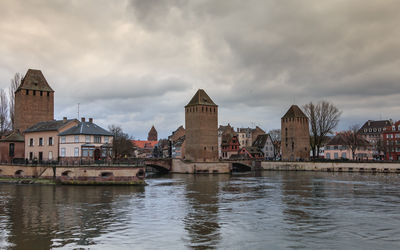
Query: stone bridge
[(161, 165), (165, 164)]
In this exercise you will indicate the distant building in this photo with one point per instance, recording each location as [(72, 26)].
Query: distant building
[(34, 101), (336, 148), (201, 123), (229, 143), (178, 148), (265, 145), (178, 133), (12, 147), (249, 153), (391, 142), (144, 149), (247, 136), (152, 136), (295, 134), (85, 141), (41, 139), (372, 131)]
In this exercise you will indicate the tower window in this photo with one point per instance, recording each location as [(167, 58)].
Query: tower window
[(27, 92)]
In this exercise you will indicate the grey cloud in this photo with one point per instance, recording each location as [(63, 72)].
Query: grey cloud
[(139, 62)]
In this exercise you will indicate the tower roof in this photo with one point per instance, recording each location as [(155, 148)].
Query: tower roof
[(201, 98), (153, 130), (34, 80), (294, 112)]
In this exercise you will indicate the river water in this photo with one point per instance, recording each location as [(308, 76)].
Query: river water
[(267, 210)]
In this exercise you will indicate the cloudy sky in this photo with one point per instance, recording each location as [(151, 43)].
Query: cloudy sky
[(137, 63)]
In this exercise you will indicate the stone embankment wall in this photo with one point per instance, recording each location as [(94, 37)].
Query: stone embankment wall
[(332, 167), (16, 171), (179, 166)]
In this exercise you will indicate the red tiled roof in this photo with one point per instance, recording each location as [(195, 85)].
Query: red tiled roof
[(144, 144)]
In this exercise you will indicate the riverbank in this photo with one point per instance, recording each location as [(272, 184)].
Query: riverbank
[(332, 167), (72, 175)]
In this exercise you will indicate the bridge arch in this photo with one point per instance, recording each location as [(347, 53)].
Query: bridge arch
[(240, 167), (158, 168)]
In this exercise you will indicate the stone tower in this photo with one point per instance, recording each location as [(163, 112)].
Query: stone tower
[(295, 135), (201, 122), (152, 136), (34, 101)]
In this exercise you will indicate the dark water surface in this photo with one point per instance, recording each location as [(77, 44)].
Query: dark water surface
[(268, 210)]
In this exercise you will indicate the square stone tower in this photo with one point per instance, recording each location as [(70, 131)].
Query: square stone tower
[(201, 122), (34, 101), (295, 135)]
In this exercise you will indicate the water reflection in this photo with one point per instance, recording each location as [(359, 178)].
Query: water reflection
[(39, 215), (201, 221), (265, 210)]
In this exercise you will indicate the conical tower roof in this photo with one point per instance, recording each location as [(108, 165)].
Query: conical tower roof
[(201, 98), (294, 112), (34, 80)]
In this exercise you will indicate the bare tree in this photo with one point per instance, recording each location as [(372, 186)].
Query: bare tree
[(323, 118), (4, 124), (353, 140), (275, 135), (15, 83), (122, 144)]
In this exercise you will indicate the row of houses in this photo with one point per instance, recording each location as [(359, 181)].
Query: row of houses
[(378, 140), (68, 141)]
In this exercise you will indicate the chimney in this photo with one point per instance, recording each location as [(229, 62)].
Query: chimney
[(83, 119), (64, 119), (91, 120)]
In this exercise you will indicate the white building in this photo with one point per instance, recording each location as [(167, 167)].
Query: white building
[(85, 142)]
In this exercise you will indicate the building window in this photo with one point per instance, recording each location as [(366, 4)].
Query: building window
[(97, 139), (85, 152), (336, 155), (30, 155), (11, 149), (344, 155), (41, 93), (63, 139), (87, 138), (40, 141), (27, 92), (50, 155), (48, 93), (34, 92), (62, 152), (76, 152), (31, 142), (50, 141), (106, 139), (76, 138)]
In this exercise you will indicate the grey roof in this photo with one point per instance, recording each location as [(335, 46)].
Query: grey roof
[(260, 140), (201, 98), (374, 126), (86, 128), (15, 136), (34, 80), (48, 126), (294, 112)]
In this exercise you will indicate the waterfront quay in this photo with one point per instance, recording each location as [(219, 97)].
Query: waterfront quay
[(74, 175)]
